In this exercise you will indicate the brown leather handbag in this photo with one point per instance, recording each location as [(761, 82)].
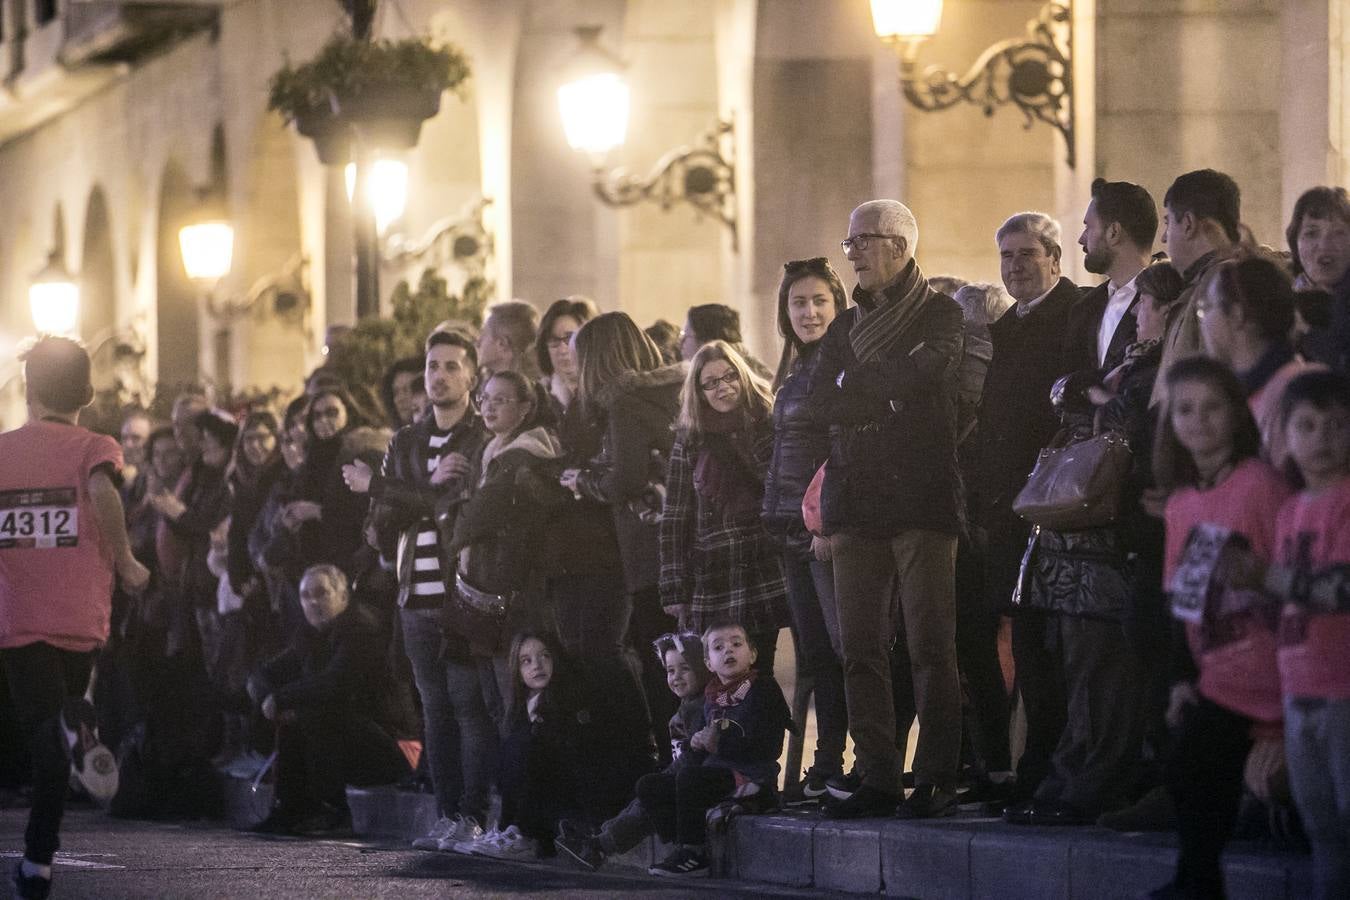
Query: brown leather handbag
[(1076, 486)]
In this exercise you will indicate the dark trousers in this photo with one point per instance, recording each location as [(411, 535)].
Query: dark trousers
[(1096, 760), (326, 749), (41, 679), (678, 804), (810, 593), (1204, 777), (648, 623), (1041, 685)]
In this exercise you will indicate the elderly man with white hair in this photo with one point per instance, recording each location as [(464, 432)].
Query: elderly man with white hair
[(886, 384), (1031, 351)]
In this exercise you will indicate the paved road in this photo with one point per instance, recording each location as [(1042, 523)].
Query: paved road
[(104, 858)]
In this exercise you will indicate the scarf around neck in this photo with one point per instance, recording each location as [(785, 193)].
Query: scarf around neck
[(877, 329)]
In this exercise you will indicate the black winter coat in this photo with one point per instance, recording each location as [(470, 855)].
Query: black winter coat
[(582, 539), (892, 464), (639, 410), (800, 447)]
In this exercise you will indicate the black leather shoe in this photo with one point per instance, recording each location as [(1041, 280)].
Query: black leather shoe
[(927, 802), (1017, 813), (1048, 812), (866, 802)]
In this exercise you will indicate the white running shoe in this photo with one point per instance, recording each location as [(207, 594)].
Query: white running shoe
[(471, 847), (92, 763), (432, 839), (510, 844), (464, 829)]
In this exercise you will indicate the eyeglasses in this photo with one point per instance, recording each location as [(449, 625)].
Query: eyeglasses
[(731, 378), (555, 342), (859, 242)]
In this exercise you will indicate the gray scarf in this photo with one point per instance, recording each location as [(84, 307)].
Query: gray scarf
[(878, 328)]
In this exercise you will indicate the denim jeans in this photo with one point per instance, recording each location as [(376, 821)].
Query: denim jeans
[(815, 633), (1317, 747), (461, 738)]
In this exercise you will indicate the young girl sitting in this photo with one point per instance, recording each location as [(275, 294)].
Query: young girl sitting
[(1225, 706), (717, 560), (745, 716), (686, 675), (1313, 543)]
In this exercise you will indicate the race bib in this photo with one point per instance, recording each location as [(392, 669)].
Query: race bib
[(39, 518)]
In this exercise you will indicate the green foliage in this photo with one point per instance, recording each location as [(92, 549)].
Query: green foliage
[(373, 344), (346, 68)]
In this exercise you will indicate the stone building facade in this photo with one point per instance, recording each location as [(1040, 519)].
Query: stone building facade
[(114, 117)]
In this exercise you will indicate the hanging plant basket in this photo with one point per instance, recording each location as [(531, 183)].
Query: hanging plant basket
[(379, 92), (390, 117)]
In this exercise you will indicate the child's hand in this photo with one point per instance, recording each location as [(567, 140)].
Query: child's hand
[(705, 738), (1265, 766)]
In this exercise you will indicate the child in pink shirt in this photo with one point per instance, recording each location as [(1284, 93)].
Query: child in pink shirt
[(1313, 546), (1226, 716)]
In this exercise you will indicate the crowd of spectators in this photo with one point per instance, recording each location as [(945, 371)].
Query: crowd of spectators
[(546, 580)]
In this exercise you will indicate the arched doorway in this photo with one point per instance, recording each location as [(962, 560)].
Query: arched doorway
[(176, 302)]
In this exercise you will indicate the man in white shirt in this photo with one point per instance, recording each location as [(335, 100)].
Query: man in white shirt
[(1117, 241)]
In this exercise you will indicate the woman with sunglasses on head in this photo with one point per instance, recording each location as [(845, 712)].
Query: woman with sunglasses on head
[(717, 561), (809, 297)]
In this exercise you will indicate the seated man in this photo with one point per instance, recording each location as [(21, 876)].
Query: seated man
[(327, 692)]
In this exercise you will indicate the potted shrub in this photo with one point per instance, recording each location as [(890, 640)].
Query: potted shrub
[(380, 90)]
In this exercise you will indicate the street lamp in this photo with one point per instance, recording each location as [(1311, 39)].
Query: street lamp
[(386, 190), (594, 103), (54, 297), (208, 250), (1035, 72)]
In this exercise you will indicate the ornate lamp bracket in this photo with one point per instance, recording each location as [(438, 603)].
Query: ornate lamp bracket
[(703, 175), (1034, 72)]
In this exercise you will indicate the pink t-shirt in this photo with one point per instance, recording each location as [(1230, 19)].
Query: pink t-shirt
[(56, 573), (1265, 407), (1234, 653), (1314, 533)]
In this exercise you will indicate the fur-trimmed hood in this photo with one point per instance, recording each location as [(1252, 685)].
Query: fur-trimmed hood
[(635, 382)]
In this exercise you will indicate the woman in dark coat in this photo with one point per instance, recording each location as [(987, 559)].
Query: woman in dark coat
[(717, 561), (625, 387), (809, 298)]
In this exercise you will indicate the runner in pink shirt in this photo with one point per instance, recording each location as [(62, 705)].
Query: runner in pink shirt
[(62, 540)]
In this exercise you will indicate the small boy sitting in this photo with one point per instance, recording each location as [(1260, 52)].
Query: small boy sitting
[(745, 716), (686, 675)]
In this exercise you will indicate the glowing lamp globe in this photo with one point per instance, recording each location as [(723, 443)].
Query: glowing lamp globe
[(208, 250), (900, 20)]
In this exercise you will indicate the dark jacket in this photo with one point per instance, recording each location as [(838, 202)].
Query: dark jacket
[(1085, 320), (344, 666), (716, 557), (800, 447), (892, 463), (751, 719), (639, 410), (500, 527), (249, 499), (207, 498), (582, 539), (335, 537), (403, 498)]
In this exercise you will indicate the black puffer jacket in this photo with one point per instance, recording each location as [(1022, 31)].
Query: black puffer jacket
[(800, 447), (639, 410)]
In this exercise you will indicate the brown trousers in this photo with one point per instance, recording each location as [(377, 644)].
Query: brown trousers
[(867, 572)]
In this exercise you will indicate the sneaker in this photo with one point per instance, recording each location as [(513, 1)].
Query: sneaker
[(469, 846), (93, 764), (578, 844), (30, 887), (841, 786), (510, 844), (809, 790), (463, 829), (432, 839), (927, 802), (684, 862), (865, 803)]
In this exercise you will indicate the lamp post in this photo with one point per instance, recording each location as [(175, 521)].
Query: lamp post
[(54, 298), (594, 103), (1034, 73)]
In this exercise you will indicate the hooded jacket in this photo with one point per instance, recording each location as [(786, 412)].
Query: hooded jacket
[(639, 409)]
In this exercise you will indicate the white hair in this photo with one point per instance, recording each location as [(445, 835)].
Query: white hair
[(982, 302), (893, 217), (1038, 225)]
